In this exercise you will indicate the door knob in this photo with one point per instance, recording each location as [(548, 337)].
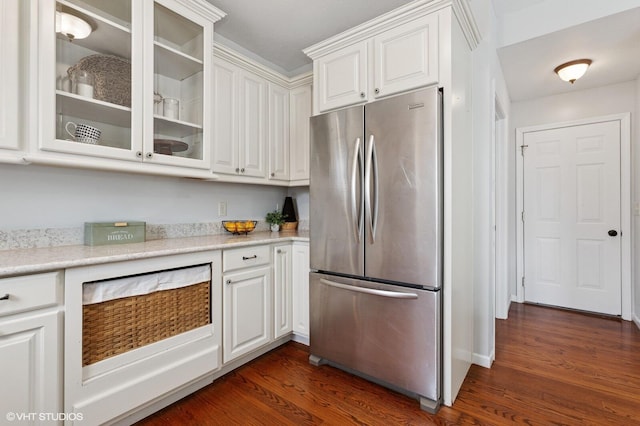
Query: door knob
[(612, 232)]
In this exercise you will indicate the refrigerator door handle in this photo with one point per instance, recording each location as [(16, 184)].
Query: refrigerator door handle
[(371, 167), (373, 291), (356, 167)]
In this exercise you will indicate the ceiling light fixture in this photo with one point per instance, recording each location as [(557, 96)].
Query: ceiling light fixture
[(72, 26), (571, 71)]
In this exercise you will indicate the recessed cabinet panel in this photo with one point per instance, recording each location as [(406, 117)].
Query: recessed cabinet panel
[(225, 121), (247, 311), (278, 132), (406, 57), (282, 291), (253, 125), (300, 107), (342, 77)]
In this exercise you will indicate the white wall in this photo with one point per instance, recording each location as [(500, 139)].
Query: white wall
[(487, 83), (48, 197), (612, 99), (635, 190)]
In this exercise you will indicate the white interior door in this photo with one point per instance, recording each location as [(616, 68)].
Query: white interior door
[(571, 211)]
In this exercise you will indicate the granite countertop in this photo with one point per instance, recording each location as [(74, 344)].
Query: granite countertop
[(28, 261)]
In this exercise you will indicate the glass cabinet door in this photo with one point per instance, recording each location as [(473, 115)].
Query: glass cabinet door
[(94, 93), (180, 60)]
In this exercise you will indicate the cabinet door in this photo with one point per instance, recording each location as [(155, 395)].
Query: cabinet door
[(88, 105), (300, 277), (342, 77), (300, 107), (282, 297), (225, 117), (406, 57), (253, 125), (29, 350), (278, 132), (10, 84), (177, 72), (247, 312)]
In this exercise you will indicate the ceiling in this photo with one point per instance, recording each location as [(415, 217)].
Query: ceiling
[(612, 42), (278, 30)]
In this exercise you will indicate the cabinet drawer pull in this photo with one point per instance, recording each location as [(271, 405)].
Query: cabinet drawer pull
[(5, 297), (255, 256)]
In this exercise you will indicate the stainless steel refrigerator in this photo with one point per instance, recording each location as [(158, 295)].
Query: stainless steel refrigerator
[(376, 242)]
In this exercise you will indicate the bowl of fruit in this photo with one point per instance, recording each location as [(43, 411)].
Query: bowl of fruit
[(237, 227)]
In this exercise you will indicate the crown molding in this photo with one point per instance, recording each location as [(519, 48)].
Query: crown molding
[(203, 8), (398, 16), (230, 55), (462, 11)]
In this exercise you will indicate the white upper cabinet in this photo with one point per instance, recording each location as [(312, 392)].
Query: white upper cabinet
[(240, 121), (225, 117), (136, 88), (406, 57), (341, 77), (278, 132), (253, 125), (402, 57), (299, 139), (11, 33)]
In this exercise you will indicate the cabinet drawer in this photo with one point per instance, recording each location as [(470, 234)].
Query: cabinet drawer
[(244, 257), (29, 292)]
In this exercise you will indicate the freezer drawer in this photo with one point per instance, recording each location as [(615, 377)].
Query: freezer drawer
[(388, 332)]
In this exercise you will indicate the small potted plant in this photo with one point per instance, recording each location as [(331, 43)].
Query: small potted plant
[(275, 219)]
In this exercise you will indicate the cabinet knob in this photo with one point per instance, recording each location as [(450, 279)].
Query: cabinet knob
[(272, 174), (139, 154), (149, 154), (279, 251), (237, 169), (362, 95), (242, 170), (228, 281), (377, 90), (5, 297)]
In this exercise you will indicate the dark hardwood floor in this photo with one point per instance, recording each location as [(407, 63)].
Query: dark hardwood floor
[(552, 367)]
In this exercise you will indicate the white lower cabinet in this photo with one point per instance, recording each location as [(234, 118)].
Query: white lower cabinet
[(300, 279), (282, 290), (30, 349), (164, 354), (247, 307)]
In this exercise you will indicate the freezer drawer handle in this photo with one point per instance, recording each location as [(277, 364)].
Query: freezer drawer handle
[(255, 256), (375, 292)]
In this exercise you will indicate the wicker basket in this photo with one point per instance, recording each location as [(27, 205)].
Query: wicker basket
[(117, 326)]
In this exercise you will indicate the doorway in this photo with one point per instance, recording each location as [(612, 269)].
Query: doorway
[(574, 215)]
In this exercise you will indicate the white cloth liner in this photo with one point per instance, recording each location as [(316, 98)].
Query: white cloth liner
[(144, 284)]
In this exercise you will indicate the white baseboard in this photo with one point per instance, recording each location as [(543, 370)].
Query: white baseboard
[(636, 320), (484, 360), (300, 339)]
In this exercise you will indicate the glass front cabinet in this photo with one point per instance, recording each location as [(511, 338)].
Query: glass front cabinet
[(126, 80)]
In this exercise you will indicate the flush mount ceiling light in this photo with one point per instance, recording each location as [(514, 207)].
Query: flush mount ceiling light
[(571, 71), (72, 26)]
